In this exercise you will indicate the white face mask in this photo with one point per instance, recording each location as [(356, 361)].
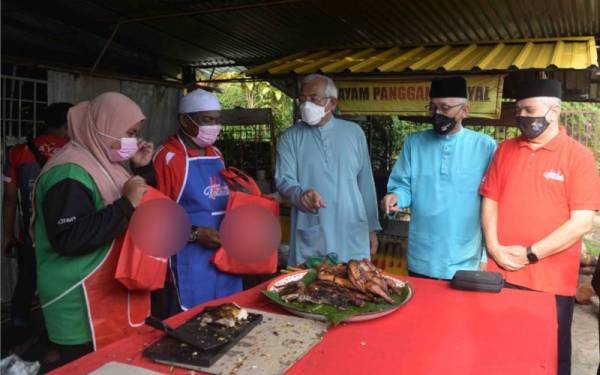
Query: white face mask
[(312, 113)]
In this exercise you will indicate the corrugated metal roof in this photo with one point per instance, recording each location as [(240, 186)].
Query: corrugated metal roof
[(165, 35), (564, 53)]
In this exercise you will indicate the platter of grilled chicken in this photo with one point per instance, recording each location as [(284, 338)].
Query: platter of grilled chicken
[(356, 286)]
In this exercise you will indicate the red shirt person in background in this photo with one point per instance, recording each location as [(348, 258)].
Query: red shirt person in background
[(540, 194), (23, 165)]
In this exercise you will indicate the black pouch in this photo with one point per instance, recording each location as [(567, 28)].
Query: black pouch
[(478, 280)]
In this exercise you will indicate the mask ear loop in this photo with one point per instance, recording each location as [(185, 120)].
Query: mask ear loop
[(193, 122), (328, 101), (111, 137), (462, 107), (546, 114)]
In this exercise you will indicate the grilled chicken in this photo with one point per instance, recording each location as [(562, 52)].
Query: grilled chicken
[(343, 284)]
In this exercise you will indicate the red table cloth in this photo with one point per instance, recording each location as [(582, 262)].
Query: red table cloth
[(440, 331)]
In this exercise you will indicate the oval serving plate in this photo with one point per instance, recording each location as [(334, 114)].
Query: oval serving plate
[(282, 280)]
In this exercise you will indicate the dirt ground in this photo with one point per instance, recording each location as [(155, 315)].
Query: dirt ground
[(586, 355)]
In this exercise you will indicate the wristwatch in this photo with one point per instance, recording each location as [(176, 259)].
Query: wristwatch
[(531, 256), (193, 234)]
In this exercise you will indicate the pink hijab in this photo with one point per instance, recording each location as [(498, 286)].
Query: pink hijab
[(110, 113)]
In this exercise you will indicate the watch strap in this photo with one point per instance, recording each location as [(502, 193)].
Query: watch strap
[(531, 255)]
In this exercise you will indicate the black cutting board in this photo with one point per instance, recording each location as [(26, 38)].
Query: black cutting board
[(173, 352)]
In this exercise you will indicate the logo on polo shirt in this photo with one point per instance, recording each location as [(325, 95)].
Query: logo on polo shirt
[(554, 175)]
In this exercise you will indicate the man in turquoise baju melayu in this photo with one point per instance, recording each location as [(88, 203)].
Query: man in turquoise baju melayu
[(437, 176), (323, 168)]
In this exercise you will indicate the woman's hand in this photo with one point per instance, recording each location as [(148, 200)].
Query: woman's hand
[(144, 155), (134, 189)]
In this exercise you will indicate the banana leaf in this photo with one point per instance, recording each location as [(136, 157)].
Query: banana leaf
[(314, 261), (334, 314)]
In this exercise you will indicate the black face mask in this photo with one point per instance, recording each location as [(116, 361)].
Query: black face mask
[(443, 124), (532, 127)]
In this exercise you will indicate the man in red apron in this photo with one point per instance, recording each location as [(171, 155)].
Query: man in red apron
[(187, 170), (540, 194)]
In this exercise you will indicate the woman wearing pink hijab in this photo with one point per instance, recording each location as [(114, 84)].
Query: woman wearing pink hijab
[(83, 200)]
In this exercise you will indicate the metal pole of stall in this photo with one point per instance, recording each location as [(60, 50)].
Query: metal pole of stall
[(296, 107), (5, 123), (108, 42), (34, 110), (20, 109)]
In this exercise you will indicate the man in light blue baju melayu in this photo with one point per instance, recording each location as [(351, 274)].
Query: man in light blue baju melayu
[(323, 168), (437, 176)]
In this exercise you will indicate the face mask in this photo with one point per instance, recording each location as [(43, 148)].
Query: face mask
[(207, 134), (312, 113), (442, 124), (129, 146), (532, 127)]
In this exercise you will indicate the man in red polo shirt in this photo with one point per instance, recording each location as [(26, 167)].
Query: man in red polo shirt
[(540, 194)]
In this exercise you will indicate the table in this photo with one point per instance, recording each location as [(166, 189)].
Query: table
[(440, 331)]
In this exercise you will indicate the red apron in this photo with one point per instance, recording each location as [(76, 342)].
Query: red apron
[(113, 311)]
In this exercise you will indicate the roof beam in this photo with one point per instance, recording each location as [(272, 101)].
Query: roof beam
[(86, 25)]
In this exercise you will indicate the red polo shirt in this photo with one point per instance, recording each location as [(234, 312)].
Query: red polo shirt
[(536, 191)]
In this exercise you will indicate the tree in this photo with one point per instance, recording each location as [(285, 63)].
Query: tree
[(257, 94)]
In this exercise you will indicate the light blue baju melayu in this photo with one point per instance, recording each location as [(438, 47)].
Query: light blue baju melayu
[(438, 177), (334, 160)]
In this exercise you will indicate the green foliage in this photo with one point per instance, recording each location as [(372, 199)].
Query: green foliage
[(582, 121), (259, 95), (582, 108), (592, 246), (232, 96), (386, 134)]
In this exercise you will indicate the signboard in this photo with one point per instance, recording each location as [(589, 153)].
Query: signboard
[(410, 97)]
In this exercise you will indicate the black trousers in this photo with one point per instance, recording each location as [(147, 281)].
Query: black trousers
[(164, 302), (25, 288), (565, 305)]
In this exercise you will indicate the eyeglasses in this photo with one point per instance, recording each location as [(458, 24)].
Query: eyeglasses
[(312, 98), (432, 108)]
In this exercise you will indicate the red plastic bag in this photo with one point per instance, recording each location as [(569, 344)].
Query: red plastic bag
[(137, 270), (244, 190)]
